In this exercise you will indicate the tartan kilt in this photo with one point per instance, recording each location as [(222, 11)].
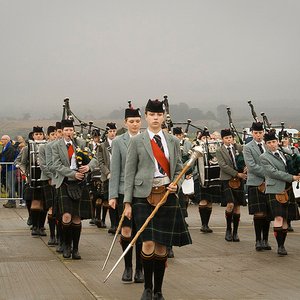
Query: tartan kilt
[(257, 201), (288, 211), (167, 226), (120, 208), (48, 195), (81, 208), (212, 194), (235, 196), (183, 200)]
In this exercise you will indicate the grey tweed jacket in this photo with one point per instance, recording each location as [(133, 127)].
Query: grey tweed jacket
[(275, 173), (255, 174), (117, 166), (140, 165)]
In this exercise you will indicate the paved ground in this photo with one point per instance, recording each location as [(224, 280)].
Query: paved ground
[(211, 268)]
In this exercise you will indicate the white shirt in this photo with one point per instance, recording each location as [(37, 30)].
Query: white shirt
[(281, 156), (166, 150)]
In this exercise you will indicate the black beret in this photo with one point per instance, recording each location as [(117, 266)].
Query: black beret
[(51, 129), (111, 125), (270, 136), (58, 125), (95, 132), (67, 123), (226, 132), (132, 113), (257, 126), (155, 106), (37, 129)]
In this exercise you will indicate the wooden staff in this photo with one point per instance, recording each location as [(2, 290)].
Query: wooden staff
[(114, 240), (196, 153)]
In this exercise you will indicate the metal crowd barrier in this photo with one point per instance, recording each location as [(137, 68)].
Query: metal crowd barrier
[(11, 182)]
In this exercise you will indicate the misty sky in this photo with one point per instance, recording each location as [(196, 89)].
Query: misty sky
[(100, 53)]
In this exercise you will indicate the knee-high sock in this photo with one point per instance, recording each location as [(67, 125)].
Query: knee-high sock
[(159, 271), (266, 228), (76, 232), (203, 214), (104, 213), (148, 265), (209, 210), (43, 215), (51, 222), (59, 233), (67, 233), (280, 235), (98, 212), (28, 205), (138, 260), (258, 226), (125, 241), (35, 216), (235, 221), (228, 216), (112, 216)]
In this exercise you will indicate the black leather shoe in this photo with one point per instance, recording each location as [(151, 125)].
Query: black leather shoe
[(158, 296), (75, 254), (92, 222), (228, 236), (127, 274), (112, 230), (147, 294), (139, 276), (203, 228), (235, 237), (29, 221), (266, 245), (290, 229), (208, 229), (258, 246), (60, 248), (103, 225), (52, 241), (170, 252), (35, 231), (281, 250), (67, 252), (43, 232)]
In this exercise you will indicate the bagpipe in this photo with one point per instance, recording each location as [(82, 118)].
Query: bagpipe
[(83, 155)]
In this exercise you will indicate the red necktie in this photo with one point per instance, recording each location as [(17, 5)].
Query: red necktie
[(70, 150)]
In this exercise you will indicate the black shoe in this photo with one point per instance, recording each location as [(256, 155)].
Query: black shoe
[(235, 238), (67, 252), (103, 225), (35, 231), (281, 250), (208, 230), (75, 254), (228, 236), (259, 246), (52, 241), (60, 248), (92, 222), (147, 294), (29, 221), (57, 241), (203, 228), (43, 232), (139, 276), (158, 296), (290, 229), (112, 230), (266, 245), (170, 253), (127, 274)]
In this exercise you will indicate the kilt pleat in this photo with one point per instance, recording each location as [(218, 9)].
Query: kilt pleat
[(257, 201), (288, 211), (236, 196), (167, 227), (81, 208)]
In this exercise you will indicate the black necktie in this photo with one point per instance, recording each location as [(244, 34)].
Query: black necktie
[(157, 139), (260, 147), (279, 156), (231, 156)]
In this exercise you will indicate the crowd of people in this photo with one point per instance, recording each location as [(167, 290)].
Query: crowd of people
[(127, 175)]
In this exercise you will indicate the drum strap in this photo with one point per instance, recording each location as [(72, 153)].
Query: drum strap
[(161, 158)]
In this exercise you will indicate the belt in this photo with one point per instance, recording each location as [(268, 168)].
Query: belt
[(159, 181)]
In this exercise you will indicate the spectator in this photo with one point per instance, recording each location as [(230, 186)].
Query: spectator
[(8, 170)]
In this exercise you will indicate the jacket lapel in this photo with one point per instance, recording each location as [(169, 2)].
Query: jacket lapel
[(126, 139), (147, 144), (64, 150)]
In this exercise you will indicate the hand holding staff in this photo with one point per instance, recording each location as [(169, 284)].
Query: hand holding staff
[(196, 153)]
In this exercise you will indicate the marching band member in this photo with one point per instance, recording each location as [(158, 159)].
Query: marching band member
[(280, 196), (153, 161), (232, 176), (73, 195), (116, 191), (257, 201)]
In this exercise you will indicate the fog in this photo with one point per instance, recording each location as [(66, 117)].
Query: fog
[(101, 54)]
